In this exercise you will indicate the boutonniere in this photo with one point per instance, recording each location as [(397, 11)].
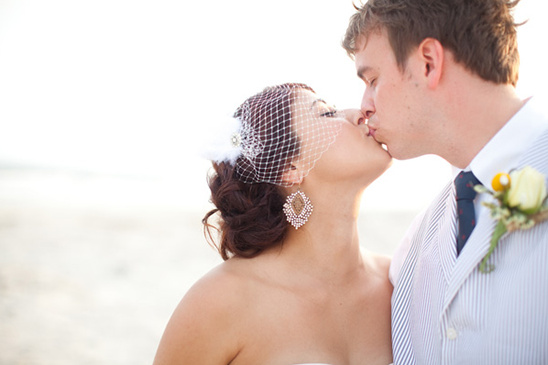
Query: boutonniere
[(520, 199)]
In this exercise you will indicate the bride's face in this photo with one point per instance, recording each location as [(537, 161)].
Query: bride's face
[(354, 154)]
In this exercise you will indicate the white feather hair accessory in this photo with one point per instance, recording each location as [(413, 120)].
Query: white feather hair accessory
[(224, 141), (231, 138)]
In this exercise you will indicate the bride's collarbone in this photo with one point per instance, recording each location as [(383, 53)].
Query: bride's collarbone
[(282, 322)]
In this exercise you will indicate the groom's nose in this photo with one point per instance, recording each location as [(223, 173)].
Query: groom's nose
[(367, 107)]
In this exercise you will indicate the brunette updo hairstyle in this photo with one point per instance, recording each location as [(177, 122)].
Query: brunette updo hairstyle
[(250, 215)]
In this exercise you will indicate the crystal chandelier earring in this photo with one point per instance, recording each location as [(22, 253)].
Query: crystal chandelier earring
[(297, 209)]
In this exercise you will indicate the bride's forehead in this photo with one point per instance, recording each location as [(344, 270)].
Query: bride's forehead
[(306, 96)]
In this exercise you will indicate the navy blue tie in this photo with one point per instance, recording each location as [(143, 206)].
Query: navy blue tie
[(464, 183)]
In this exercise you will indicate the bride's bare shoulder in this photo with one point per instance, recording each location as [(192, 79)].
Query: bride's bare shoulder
[(205, 324), (222, 283)]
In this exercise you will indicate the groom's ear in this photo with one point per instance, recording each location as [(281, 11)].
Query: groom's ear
[(432, 55)]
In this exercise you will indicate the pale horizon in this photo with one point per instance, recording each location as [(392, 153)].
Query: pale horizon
[(126, 88)]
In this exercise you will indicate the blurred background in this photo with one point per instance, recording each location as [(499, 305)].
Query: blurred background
[(103, 109)]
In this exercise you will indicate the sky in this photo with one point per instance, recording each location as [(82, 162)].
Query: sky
[(130, 87)]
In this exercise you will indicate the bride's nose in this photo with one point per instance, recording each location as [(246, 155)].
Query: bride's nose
[(355, 116)]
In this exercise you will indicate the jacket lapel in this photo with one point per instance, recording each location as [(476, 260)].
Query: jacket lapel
[(447, 233), (480, 240), (475, 250)]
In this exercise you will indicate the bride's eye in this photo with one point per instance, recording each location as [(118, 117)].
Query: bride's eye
[(329, 114)]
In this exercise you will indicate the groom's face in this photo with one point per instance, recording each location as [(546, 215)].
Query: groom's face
[(392, 98)]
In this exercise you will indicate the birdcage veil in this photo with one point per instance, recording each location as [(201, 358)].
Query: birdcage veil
[(275, 128)]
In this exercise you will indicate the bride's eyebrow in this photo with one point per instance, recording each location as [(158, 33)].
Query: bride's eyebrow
[(316, 102)]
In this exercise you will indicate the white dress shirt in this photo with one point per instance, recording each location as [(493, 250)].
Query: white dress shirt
[(503, 152)]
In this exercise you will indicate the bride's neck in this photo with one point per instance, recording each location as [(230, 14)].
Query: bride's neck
[(329, 241)]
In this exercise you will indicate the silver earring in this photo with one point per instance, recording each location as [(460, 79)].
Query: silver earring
[(297, 209)]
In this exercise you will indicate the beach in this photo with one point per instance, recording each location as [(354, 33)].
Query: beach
[(92, 266)]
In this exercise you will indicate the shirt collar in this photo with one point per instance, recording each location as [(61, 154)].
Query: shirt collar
[(503, 152)]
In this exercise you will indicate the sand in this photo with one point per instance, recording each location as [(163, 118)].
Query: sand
[(91, 267)]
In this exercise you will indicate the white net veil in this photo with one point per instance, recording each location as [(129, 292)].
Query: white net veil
[(281, 127)]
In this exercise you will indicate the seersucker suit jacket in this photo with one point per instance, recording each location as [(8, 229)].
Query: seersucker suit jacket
[(445, 311)]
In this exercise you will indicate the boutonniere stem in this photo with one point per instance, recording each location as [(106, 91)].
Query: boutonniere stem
[(499, 231)]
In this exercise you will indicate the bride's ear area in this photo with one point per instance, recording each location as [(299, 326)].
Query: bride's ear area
[(432, 56), (293, 176)]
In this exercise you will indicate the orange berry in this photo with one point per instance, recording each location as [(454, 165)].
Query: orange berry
[(501, 181)]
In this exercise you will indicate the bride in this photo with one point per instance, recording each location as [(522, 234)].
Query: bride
[(295, 287)]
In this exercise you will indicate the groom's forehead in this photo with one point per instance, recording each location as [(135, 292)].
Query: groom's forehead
[(375, 51)]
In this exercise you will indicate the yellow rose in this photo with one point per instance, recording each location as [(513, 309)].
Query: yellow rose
[(527, 191)]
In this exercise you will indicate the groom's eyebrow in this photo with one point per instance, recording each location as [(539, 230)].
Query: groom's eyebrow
[(362, 71)]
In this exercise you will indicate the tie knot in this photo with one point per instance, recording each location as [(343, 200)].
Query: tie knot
[(464, 183)]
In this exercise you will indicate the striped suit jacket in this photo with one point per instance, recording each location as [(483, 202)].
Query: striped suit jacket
[(445, 311)]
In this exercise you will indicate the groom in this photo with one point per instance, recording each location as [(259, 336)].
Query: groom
[(440, 79)]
